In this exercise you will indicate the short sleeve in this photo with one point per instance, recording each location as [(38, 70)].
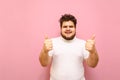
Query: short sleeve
[(85, 52), (50, 53)]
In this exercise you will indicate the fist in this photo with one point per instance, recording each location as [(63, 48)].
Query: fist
[(90, 44), (47, 44)]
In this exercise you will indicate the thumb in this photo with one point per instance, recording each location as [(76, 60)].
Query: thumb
[(93, 37), (46, 37)]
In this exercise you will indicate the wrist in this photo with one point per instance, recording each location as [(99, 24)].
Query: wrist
[(93, 51)]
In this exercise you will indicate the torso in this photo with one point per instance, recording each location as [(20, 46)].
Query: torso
[(67, 59)]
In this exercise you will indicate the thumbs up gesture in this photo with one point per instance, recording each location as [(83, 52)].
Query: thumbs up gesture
[(47, 44), (90, 44)]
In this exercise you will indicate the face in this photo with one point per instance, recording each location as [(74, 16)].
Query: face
[(68, 30)]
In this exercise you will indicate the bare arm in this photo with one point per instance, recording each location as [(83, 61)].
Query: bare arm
[(44, 58), (93, 58)]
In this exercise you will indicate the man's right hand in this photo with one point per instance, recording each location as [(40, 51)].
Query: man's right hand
[(47, 44)]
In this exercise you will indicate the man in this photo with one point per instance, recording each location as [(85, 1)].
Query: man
[(67, 53)]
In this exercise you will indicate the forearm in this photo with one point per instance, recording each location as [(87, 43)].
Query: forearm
[(93, 59), (44, 58)]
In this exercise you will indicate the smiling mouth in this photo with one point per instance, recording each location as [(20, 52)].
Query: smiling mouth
[(68, 32)]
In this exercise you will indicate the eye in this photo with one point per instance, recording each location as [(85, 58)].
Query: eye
[(64, 26), (71, 26)]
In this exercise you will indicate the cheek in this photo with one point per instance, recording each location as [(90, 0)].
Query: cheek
[(73, 30), (62, 30)]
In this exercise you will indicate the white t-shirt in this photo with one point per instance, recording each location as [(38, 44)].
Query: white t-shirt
[(68, 56)]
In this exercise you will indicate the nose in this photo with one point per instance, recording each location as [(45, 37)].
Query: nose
[(68, 28)]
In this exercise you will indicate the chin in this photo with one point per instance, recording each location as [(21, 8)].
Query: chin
[(68, 37)]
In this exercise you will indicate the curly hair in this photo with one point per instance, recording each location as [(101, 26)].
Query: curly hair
[(67, 17)]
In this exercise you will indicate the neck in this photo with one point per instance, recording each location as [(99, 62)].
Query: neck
[(68, 40)]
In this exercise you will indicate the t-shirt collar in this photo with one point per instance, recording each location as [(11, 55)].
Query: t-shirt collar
[(68, 40)]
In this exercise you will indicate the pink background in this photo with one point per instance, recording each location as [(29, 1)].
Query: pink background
[(23, 24)]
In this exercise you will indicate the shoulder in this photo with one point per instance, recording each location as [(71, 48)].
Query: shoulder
[(80, 40), (55, 38)]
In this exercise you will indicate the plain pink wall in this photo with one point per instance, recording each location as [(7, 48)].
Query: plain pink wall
[(23, 24)]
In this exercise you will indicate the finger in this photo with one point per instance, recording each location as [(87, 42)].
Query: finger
[(93, 37)]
